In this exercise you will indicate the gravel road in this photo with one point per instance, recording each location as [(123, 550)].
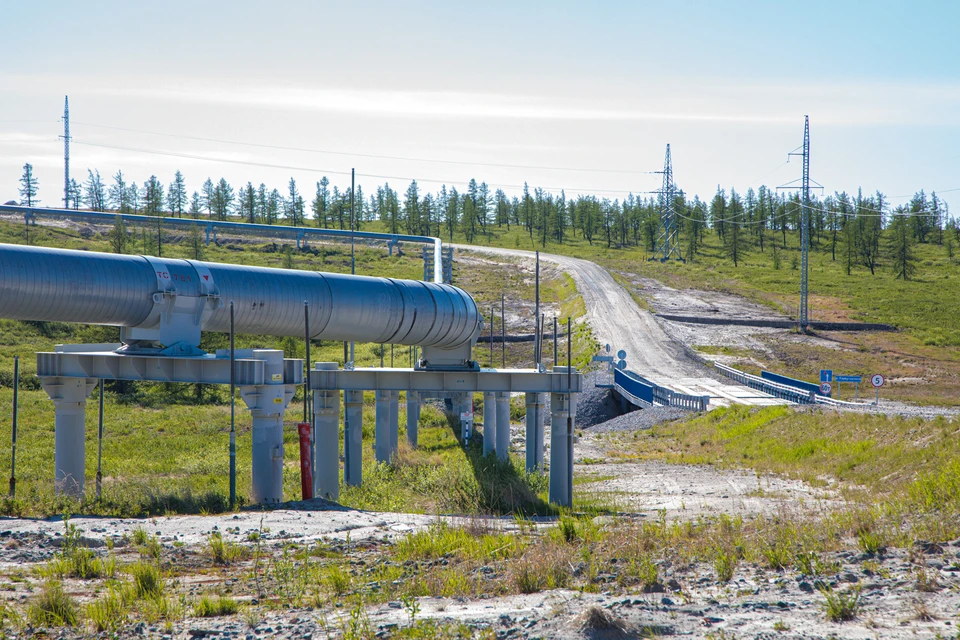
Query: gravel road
[(617, 320)]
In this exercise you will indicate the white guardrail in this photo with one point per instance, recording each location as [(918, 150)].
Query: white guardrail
[(783, 391)]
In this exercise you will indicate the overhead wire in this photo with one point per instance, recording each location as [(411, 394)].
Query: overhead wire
[(338, 172), (366, 155)]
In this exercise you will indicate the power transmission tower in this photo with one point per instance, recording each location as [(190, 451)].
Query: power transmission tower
[(66, 152), (667, 245), (804, 217)]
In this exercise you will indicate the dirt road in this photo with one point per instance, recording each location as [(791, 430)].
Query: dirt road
[(618, 321)]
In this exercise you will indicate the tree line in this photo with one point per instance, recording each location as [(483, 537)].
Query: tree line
[(858, 230)]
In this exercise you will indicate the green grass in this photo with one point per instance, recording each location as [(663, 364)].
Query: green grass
[(211, 606), (52, 607)]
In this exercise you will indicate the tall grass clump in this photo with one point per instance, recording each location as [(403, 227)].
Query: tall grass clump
[(209, 606), (109, 612), (147, 581), (53, 607)]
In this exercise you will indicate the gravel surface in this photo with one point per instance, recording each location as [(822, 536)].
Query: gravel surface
[(639, 419)]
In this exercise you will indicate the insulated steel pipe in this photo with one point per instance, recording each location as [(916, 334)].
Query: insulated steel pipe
[(142, 292)]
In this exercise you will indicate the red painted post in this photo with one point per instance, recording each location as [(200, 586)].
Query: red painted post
[(306, 473)]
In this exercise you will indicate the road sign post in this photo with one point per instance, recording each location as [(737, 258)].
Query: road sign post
[(877, 381), (854, 379)]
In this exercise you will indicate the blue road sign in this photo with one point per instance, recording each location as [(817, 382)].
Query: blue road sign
[(857, 379), (826, 375)]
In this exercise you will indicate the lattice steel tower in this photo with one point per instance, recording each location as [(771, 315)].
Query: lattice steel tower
[(804, 218), (66, 152), (667, 245)]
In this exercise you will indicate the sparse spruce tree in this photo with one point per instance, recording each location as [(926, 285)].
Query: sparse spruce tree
[(28, 187)]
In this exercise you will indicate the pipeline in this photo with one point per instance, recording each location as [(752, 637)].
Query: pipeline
[(163, 301), (270, 230)]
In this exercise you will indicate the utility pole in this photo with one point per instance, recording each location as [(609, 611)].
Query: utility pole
[(804, 218), (668, 245), (66, 152), (353, 261)]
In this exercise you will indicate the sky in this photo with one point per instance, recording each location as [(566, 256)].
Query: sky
[(582, 97)]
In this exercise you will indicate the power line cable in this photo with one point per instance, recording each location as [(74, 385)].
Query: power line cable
[(337, 172), (365, 155)]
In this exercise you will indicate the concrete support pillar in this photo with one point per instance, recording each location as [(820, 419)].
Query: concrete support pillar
[(562, 407), (503, 425), (382, 444), (267, 404), (326, 421), (413, 417), (489, 422), (463, 405), (534, 441), (69, 397), (353, 438), (561, 472), (394, 422)]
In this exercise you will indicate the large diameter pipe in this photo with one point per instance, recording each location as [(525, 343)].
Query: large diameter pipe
[(128, 291)]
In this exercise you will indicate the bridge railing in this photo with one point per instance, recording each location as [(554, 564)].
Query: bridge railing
[(782, 391), (651, 393)]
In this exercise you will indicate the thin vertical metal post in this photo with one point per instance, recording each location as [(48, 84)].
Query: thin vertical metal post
[(543, 319), (306, 340), (307, 412), (353, 226), (233, 426), (555, 341), (392, 346), (536, 339), (381, 355), (100, 445), (503, 333), (536, 344), (16, 408), (570, 410), (491, 336)]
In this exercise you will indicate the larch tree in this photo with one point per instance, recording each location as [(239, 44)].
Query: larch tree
[(900, 239), (95, 194), (118, 194)]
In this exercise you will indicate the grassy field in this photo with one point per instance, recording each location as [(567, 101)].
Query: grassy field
[(166, 448)]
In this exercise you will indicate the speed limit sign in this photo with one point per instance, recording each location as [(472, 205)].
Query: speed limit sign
[(826, 388), (877, 381)]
